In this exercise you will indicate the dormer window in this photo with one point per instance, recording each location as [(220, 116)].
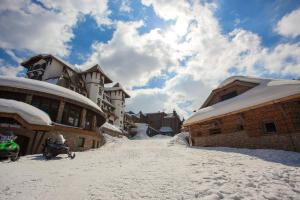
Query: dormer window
[(228, 96)]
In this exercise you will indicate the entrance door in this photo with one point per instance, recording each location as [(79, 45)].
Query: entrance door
[(23, 142)]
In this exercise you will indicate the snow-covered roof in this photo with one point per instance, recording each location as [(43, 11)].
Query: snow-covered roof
[(29, 113), (165, 129), (240, 78), (93, 68), (111, 127), (267, 90), (117, 87), (42, 86), (42, 56)]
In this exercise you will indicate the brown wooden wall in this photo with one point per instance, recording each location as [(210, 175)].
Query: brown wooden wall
[(285, 115)]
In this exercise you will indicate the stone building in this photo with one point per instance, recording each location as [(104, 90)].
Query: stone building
[(88, 81), (249, 113)]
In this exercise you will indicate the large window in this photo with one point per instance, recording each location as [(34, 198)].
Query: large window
[(13, 95), (89, 120), (50, 106), (71, 115), (228, 95)]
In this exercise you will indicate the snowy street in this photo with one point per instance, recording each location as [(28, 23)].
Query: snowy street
[(154, 169)]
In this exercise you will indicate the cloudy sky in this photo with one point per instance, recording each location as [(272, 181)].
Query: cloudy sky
[(168, 54)]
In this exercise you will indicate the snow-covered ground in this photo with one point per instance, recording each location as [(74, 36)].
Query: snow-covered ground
[(155, 168)]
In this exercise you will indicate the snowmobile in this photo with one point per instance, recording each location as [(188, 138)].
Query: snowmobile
[(8, 147), (52, 148)]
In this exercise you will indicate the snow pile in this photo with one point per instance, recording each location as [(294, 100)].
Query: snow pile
[(180, 139), (267, 91), (111, 127), (141, 131), (114, 140), (149, 169), (42, 86), (29, 113), (160, 136)]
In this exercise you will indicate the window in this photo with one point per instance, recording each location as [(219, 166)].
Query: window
[(214, 131), (13, 95), (71, 115), (94, 144), (270, 127), (50, 106), (98, 101), (80, 142), (89, 120), (228, 95), (100, 90), (98, 144)]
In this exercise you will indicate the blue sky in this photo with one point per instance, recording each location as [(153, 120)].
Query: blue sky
[(170, 53)]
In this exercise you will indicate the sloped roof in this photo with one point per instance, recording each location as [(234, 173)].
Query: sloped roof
[(29, 113), (42, 86), (94, 69), (267, 91), (27, 62), (117, 87), (240, 80)]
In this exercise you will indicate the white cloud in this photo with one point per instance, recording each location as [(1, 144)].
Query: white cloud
[(125, 6), (48, 28), (212, 54), (132, 58), (10, 70), (289, 25)]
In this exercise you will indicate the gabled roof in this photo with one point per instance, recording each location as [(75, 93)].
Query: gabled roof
[(239, 80), (266, 92), (33, 59), (96, 68), (117, 87)]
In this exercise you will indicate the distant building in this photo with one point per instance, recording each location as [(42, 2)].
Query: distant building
[(88, 81), (250, 113), (164, 123)]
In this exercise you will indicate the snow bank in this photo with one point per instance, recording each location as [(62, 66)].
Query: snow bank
[(180, 139), (141, 131), (268, 90), (42, 86), (111, 127), (114, 140), (149, 169), (28, 112)]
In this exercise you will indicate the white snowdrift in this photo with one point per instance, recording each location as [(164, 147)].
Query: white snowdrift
[(180, 139), (111, 127), (42, 86), (150, 169), (114, 140), (28, 112), (268, 90)]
